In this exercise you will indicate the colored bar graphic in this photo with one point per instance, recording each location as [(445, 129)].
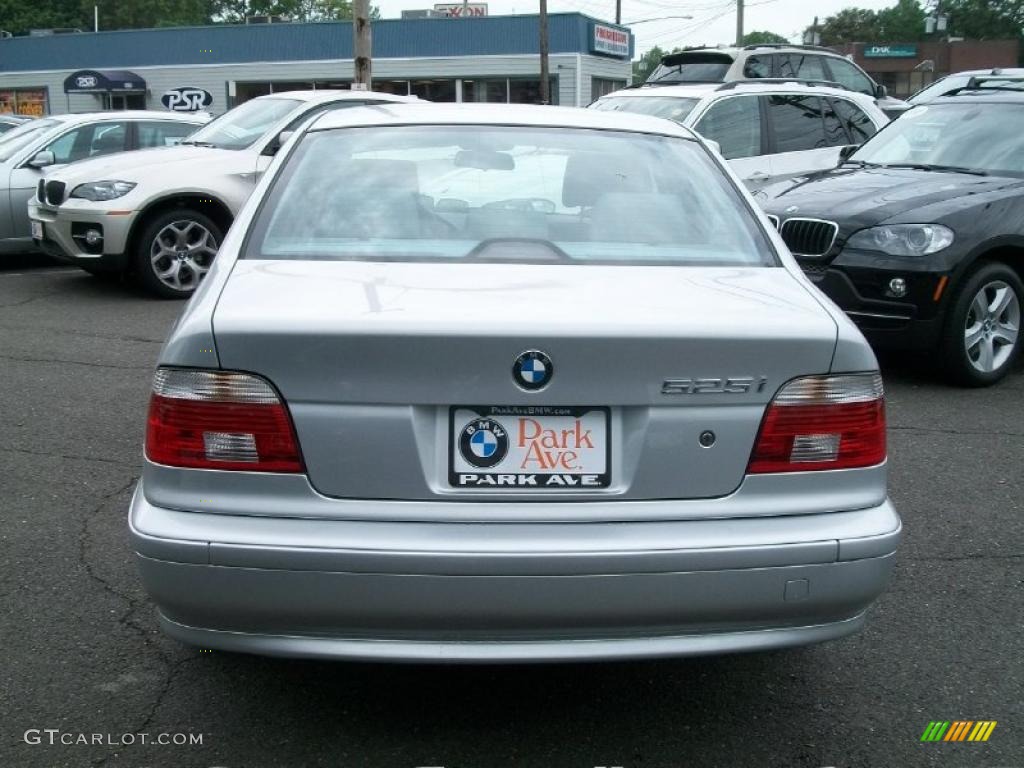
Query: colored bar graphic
[(958, 730)]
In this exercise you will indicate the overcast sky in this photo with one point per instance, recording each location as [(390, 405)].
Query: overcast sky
[(714, 21)]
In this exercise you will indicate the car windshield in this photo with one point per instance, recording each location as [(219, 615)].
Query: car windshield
[(980, 136), (692, 68), (672, 107), (12, 141), (242, 126), (495, 193), (952, 82)]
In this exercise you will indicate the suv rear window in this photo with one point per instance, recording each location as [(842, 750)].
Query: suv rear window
[(692, 67), (484, 193)]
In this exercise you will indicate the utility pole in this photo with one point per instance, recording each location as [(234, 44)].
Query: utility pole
[(362, 45), (618, 11), (545, 84), (739, 22)]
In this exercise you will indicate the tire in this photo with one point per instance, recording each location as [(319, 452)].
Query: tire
[(175, 251), (982, 337)]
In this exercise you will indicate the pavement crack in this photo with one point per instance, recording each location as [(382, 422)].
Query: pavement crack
[(23, 302), (25, 359), (957, 558), (947, 431), (69, 457)]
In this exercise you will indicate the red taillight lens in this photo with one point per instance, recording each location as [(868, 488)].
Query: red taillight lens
[(822, 422), (219, 420)]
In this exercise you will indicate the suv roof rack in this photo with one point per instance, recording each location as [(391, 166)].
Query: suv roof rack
[(789, 45), (780, 81), (977, 84)]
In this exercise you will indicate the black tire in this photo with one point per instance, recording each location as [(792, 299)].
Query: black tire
[(194, 234), (963, 363)]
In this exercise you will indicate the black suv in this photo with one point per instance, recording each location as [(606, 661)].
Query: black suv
[(919, 234)]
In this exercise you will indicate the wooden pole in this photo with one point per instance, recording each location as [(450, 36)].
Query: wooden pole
[(545, 84), (739, 22), (362, 45)]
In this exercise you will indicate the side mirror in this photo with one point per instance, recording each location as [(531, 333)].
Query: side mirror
[(275, 146), (881, 92), (846, 151), (42, 159)]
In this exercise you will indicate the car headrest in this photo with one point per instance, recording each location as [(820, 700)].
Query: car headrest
[(590, 175)]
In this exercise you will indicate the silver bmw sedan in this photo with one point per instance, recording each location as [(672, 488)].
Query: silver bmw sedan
[(503, 383)]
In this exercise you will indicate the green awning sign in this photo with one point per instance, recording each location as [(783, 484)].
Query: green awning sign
[(890, 51)]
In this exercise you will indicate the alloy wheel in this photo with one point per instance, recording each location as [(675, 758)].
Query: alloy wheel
[(993, 326), (181, 254)]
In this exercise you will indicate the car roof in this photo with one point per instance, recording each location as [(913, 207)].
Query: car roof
[(991, 72), (984, 95), (130, 114), (338, 94), (428, 113), (700, 90)]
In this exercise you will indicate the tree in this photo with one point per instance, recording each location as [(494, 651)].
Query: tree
[(646, 64), (901, 23), (762, 38), (236, 11), (850, 25), (981, 20)]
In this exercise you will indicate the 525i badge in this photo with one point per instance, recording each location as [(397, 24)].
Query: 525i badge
[(735, 385)]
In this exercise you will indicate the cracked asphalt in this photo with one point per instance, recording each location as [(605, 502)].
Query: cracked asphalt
[(82, 654)]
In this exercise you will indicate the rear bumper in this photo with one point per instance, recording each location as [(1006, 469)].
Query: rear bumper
[(510, 591)]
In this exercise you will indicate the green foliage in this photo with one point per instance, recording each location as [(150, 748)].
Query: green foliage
[(981, 20), (904, 22), (762, 38), (643, 66)]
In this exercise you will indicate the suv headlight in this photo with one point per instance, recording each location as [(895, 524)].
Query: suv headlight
[(903, 239), (102, 190)]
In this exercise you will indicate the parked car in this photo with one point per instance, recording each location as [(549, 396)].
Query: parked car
[(7, 122), (48, 142), (768, 130), (919, 235), (959, 80), (799, 62), (162, 215), (491, 383)]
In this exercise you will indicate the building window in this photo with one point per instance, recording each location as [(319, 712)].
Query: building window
[(24, 101), (114, 101), (396, 87), (434, 90), (246, 91), (602, 86), (507, 90)]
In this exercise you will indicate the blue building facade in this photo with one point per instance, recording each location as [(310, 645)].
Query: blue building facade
[(493, 58)]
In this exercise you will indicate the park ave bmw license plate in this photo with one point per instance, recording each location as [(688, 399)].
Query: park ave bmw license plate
[(538, 447)]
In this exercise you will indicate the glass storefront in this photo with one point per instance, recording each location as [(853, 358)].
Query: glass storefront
[(24, 101), (501, 90)]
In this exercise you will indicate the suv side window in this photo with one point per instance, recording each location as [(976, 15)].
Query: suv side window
[(163, 133), (857, 124), (757, 66), (802, 66), (835, 128), (90, 140), (847, 74), (797, 123), (735, 123)]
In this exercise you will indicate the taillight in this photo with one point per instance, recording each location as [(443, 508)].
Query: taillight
[(219, 420), (822, 422)]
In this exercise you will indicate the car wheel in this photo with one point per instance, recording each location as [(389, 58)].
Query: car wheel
[(176, 251), (982, 336)]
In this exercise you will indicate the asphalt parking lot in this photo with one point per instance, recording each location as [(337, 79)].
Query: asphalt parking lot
[(82, 653)]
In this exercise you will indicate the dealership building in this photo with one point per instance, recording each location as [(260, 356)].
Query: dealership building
[(474, 58)]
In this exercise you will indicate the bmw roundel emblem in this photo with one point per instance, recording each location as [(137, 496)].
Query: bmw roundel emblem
[(532, 370), (483, 442)]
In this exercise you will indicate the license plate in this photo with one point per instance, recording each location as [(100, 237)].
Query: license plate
[(529, 447), (37, 230)]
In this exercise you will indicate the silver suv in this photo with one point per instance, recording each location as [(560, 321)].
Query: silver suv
[(162, 214), (793, 62)]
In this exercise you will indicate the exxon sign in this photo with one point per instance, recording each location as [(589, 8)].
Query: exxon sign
[(186, 99)]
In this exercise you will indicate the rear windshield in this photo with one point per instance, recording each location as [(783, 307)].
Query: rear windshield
[(495, 193), (671, 107), (692, 68)]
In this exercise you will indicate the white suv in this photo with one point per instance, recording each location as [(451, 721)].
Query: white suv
[(162, 214), (767, 130)]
